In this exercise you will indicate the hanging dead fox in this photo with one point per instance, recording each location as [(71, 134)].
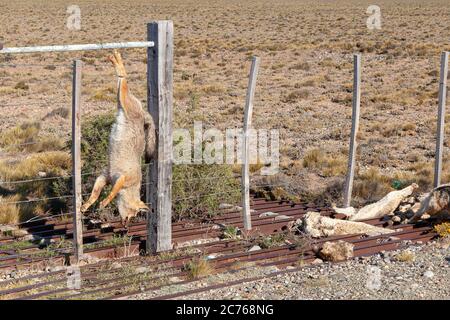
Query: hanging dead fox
[(132, 133)]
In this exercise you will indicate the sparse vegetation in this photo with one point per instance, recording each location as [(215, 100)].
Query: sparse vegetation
[(274, 240), (231, 232), (309, 75), (9, 212), (295, 96), (45, 162), (405, 256), (197, 189), (328, 165), (26, 138), (443, 229), (197, 268)]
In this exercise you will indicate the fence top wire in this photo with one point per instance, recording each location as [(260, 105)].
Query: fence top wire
[(38, 218), (33, 103), (207, 195), (41, 199), (43, 65), (46, 178), (79, 47)]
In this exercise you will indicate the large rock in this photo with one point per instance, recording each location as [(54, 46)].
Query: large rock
[(318, 226), (434, 202), (385, 206), (336, 251)]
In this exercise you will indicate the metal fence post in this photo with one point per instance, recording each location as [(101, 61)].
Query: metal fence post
[(355, 125), (76, 160)]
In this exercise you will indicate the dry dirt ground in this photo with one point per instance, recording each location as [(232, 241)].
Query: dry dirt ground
[(304, 85), (419, 272)]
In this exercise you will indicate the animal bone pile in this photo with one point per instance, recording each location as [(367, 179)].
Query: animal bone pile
[(397, 207)]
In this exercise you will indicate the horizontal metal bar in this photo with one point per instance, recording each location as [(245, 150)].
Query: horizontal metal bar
[(79, 47)]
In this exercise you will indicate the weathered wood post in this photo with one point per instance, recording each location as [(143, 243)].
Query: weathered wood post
[(245, 179), (355, 124), (441, 119), (160, 99), (76, 161)]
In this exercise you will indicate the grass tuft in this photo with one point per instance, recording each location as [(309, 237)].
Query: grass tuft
[(197, 268), (443, 229)]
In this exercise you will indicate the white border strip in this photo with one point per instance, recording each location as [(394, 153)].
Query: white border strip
[(79, 47)]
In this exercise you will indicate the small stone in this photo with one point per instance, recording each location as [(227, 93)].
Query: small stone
[(56, 268), (268, 214), (254, 248), (42, 174), (428, 274), (336, 251), (141, 269), (225, 206), (317, 261), (396, 219), (282, 217)]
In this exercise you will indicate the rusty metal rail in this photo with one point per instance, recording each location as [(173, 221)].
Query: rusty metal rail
[(114, 283)]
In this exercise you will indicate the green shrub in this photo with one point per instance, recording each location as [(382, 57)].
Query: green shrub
[(94, 155), (197, 190)]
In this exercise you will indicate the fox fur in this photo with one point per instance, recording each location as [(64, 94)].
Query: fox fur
[(132, 135)]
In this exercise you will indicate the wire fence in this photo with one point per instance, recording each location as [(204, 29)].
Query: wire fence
[(183, 182)]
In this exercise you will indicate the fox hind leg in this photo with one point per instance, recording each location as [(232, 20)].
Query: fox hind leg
[(118, 185), (100, 183), (123, 92)]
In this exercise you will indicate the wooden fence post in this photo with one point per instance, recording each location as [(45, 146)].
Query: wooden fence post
[(160, 99), (76, 160), (355, 125), (245, 179), (441, 120)]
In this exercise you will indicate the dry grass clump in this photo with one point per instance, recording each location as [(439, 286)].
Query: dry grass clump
[(105, 94), (21, 85), (405, 256), (295, 96), (9, 213), (329, 165), (197, 268), (271, 241), (49, 163), (25, 138), (35, 166), (394, 129), (301, 66), (371, 185), (443, 229)]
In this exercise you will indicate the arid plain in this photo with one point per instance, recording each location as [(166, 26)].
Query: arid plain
[(304, 87)]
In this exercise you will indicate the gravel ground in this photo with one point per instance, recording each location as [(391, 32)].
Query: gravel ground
[(424, 275), (417, 272)]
